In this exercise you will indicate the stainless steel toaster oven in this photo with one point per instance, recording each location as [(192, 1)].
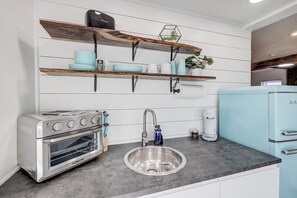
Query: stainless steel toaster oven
[(52, 142)]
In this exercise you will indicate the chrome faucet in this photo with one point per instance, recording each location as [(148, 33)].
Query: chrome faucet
[(145, 139)]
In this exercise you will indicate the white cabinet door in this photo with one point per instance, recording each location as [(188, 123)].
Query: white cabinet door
[(206, 191), (263, 184), (257, 183)]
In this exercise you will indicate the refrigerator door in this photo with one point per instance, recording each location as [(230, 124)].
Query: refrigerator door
[(287, 151), (243, 118), (283, 116)]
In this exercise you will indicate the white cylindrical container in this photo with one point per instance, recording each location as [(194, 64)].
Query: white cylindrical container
[(166, 68), (210, 129), (152, 68)]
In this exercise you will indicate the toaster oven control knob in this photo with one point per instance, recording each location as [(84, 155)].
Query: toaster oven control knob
[(83, 122), (94, 120), (57, 126), (71, 124)]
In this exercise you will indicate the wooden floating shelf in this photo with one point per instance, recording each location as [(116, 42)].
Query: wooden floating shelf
[(108, 74), (80, 33)]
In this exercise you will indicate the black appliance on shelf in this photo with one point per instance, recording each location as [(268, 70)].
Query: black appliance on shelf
[(99, 19)]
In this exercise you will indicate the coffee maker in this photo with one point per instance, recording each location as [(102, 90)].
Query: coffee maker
[(210, 129)]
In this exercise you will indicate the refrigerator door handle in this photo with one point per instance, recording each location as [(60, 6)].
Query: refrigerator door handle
[(289, 152), (289, 133)]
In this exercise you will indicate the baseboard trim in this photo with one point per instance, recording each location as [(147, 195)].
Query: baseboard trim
[(9, 175)]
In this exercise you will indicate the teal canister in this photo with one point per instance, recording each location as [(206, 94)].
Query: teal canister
[(85, 57), (181, 67), (173, 67)]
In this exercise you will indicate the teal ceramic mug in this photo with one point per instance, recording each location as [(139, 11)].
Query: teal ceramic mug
[(85, 57), (173, 67), (181, 67)]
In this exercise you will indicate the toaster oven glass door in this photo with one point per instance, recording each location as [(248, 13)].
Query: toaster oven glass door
[(72, 147)]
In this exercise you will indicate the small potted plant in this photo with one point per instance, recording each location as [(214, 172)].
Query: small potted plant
[(197, 63), (172, 37), (170, 33)]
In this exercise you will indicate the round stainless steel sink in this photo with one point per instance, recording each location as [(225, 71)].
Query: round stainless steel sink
[(155, 160)]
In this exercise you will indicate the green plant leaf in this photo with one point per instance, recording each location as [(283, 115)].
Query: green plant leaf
[(197, 61)]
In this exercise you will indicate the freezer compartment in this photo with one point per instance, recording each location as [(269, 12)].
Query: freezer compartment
[(283, 116), (287, 151)]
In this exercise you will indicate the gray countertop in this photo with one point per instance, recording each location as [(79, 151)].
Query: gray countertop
[(108, 176)]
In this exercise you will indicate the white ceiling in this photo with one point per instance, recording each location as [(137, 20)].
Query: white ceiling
[(240, 12)]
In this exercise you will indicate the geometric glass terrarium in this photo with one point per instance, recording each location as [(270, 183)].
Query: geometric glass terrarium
[(170, 33)]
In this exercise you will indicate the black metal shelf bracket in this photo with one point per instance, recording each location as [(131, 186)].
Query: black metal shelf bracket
[(173, 86), (95, 51), (134, 82), (134, 49), (174, 52), (95, 83), (95, 44)]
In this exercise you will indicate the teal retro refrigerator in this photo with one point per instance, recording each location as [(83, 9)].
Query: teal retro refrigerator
[(264, 118)]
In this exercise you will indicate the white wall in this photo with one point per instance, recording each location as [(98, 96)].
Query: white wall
[(16, 76), (227, 44)]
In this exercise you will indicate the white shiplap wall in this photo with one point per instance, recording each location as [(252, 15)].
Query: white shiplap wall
[(227, 44), (16, 78)]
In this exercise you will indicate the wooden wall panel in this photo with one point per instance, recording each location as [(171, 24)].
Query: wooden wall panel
[(275, 40)]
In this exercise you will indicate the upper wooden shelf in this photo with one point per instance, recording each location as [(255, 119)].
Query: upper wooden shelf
[(53, 71), (74, 32)]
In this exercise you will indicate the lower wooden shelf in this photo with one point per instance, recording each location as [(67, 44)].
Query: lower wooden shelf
[(133, 76), (112, 74)]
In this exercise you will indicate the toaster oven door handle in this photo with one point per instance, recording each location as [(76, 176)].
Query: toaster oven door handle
[(53, 140)]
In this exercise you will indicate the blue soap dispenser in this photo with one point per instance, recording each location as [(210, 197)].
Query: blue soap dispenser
[(158, 136)]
